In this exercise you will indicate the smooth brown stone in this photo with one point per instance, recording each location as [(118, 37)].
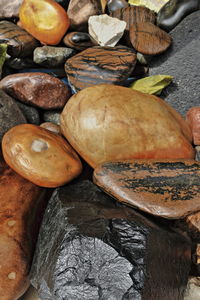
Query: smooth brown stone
[(20, 43), (21, 205), (78, 40), (37, 89), (80, 11), (100, 65), (40, 156), (149, 39), (193, 119), (132, 15), (168, 189), (109, 122)]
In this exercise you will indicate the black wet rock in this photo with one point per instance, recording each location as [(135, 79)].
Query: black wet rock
[(182, 61), (63, 3), (10, 114), (20, 63), (31, 113), (89, 248), (116, 4), (48, 56), (174, 11), (52, 116)]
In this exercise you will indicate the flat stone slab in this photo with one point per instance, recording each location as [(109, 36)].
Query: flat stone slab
[(169, 189), (182, 61)]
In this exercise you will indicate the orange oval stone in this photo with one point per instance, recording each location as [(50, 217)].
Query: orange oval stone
[(46, 20), (40, 156)]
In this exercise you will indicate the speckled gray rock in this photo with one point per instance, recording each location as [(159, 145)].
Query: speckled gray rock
[(182, 61), (48, 56), (52, 116), (10, 114), (193, 289), (91, 249), (30, 113)]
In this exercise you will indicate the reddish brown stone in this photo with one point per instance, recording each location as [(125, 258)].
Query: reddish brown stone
[(169, 189), (37, 89), (21, 207), (193, 119), (80, 11), (149, 39)]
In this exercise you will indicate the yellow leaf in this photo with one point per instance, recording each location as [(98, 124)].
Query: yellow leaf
[(152, 85), (155, 5)]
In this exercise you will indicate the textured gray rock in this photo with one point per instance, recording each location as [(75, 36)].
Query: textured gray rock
[(10, 114), (90, 249), (52, 116), (48, 56), (182, 61), (193, 289), (30, 113), (197, 153)]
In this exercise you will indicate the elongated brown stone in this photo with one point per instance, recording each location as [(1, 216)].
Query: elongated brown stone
[(98, 65), (20, 43), (21, 207), (149, 39), (169, 189)]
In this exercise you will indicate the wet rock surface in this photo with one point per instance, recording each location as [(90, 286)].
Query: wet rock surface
[(167, 189), (174, 11), (181, 62), (98, 65), (78, 40), (52, 56), (101, 251), (20, 43), (52, 116), (37, 89), (10, 114)]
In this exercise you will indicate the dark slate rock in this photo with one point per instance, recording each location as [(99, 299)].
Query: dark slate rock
[(182, 61), (174, 11), (48, 56), (31, 113), (52, 116), (10, 114), (90, 249)]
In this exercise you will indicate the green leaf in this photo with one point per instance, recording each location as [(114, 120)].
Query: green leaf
[(152, 85), (3, 50), (155, 5)]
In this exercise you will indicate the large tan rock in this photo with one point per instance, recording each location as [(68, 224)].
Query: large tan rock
[(107, 122)]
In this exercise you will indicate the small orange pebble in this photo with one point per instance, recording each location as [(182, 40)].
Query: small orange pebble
[(45, 20), (42, 157)]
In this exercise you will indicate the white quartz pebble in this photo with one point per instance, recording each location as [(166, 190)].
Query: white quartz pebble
[(105, 30)]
